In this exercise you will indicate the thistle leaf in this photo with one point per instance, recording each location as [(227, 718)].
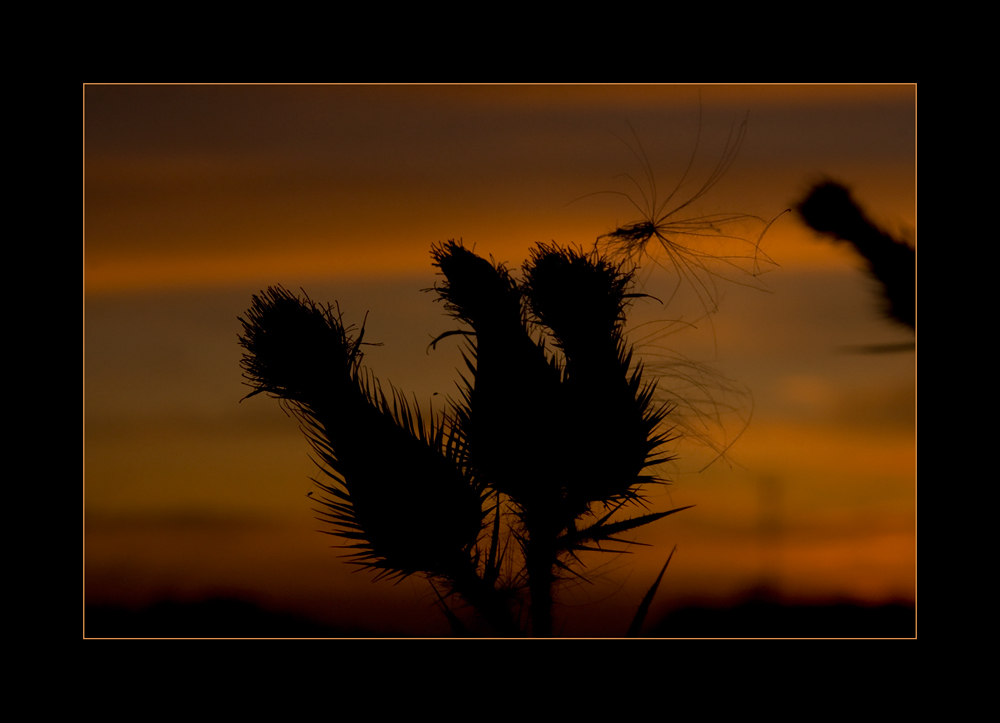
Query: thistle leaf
[(640, 615), (602, 530)]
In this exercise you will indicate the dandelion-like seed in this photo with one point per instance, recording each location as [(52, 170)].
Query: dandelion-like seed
[(699, 250), (676, 236)]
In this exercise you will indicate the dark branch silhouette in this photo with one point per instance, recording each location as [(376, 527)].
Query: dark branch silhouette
[(829, 209)]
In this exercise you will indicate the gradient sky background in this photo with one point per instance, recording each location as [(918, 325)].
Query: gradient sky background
[(197, 197)]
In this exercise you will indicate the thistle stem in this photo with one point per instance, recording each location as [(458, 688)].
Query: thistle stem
[(489, 603), (540, 559)]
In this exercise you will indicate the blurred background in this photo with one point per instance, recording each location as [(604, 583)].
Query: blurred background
[(197, 197)]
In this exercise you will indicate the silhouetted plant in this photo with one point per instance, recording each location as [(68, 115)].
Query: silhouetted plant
[(551, 438), (556, 431), (829, 209)]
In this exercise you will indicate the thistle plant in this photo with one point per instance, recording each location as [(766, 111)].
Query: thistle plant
[(553, 439), (829, 209)]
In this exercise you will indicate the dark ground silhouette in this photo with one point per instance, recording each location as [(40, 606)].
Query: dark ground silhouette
[(230, 618), (764, 619), (214, 618)]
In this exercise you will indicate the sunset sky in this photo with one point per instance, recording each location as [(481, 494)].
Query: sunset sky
[(198, 197)]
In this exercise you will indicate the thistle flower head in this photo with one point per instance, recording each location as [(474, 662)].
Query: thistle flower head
[(580, 297), (475, 291), (295, 347)]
